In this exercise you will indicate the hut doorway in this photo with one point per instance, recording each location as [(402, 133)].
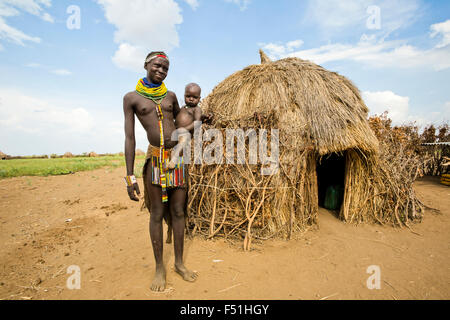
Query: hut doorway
[(331, 180)]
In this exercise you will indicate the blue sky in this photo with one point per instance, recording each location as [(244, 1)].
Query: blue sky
[(61, 88)]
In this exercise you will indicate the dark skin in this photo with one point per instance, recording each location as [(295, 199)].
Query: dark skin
[(187, 116), (145, 110), (192, 95), (193, 112)]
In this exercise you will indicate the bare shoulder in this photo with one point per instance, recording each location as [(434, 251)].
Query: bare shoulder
[(130, 96), (129, 101), (171, 95)]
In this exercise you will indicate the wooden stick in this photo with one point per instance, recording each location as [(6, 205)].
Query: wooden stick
[(211, 227)]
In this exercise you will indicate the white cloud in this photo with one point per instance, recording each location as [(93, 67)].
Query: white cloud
[(130, 57), (193, 3), (379, 102), (47, 17), (21, 112), (14, 35), (280, 50), (336, 15), (7, 10), (369, 51), (242, 4), (142, 26), (61, 72), (441, 29), (275, 50), (39, 125), (33, 65), (34, 7), (11, 8), (291, 45), (399, 111)]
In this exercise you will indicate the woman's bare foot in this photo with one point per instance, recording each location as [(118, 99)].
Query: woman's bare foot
[(187, 275), (159, 282)]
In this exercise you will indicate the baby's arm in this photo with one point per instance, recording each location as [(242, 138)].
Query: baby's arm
[(183, 138), (197, 114)]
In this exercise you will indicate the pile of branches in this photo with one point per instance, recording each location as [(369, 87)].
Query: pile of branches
[(237, 202), (380, 189), (404, 143)]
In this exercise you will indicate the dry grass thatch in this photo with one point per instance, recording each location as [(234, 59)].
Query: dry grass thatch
[(93, 155), (318, 113), (3, 156), (68, 155)]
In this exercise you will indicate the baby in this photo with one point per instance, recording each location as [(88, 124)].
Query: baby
[(190, 113)]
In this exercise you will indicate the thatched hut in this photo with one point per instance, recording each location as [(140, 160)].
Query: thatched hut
[(324, 139), (68, 155), (3, 156), (93, 155)]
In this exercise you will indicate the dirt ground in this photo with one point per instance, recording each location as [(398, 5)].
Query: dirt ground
[(50, 223)]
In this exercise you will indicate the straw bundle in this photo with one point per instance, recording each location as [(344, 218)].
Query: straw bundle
[(317, 112)]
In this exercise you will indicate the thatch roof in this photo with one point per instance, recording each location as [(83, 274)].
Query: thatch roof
[(68, 155), (323, 106), (93, 154), (3, 155)]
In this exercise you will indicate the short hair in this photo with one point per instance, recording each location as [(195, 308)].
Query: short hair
[(190, 85), (155, 54)]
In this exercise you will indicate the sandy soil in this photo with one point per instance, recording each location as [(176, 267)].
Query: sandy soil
[(107, 237)]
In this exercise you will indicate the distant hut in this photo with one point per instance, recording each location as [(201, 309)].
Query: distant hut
[(324, 139), (139, 152), (93, 155), (3, 156), (68, 155)]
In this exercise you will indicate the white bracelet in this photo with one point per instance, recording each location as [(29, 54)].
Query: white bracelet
[(130, 180)]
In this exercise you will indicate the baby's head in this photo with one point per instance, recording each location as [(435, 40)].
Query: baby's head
[(192, 95), (191, 98)]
